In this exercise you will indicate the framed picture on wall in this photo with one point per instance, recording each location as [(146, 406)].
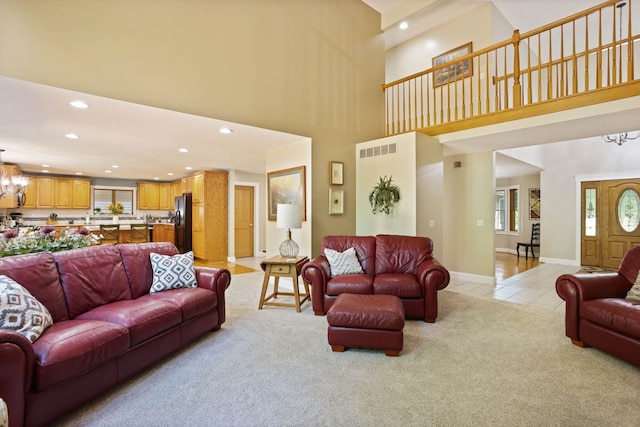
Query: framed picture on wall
[(336, 173), (456, 70), (286, 186), (336, 202), (534, 203)]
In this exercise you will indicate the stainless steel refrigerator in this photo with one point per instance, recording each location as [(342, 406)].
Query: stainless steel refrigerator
[(182, 220)]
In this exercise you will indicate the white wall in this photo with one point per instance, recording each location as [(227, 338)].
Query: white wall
[(401, 166), (290, 156)]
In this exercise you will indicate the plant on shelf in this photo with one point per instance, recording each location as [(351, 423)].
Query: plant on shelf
[(116, 208), (384, 195)]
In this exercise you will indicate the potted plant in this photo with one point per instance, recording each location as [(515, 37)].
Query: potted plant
[(384, 195)]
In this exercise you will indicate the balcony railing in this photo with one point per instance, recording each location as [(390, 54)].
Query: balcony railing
[(589, 53)]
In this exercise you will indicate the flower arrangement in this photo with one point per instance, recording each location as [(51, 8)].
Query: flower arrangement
[(116, 208), (44, 239)]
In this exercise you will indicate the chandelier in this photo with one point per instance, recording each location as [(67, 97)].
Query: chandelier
[(620, 138), (10, 181)]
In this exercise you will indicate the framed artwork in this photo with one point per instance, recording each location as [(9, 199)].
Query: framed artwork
[(336, 173), (336, 202), (286, 186), (456, 70), (534, 203)]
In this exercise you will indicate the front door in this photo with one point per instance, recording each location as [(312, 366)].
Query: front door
[(243, 217), (610, 221)]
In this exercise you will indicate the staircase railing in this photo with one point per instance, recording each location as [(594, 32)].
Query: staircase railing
[(589, 52)]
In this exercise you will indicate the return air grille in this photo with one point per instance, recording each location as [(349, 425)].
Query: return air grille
[(379, 150)]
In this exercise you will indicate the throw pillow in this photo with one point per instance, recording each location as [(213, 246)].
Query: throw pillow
[(634, 292), (172, 272), (343, 262), (20, 311)]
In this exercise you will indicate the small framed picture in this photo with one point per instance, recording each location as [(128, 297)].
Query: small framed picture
[(336, 173), (336, 201)]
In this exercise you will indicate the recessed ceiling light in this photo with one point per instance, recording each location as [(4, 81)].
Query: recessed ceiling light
[(170, 174), (79, 104), (72, 136), (45, 166), (107, 171), (183, 150), (79, 173), (188, 168), (226, 131), (156, 178), (115, 166), (44, 170), (404, 25)]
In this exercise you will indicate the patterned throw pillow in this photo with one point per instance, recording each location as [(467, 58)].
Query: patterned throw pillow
[(20, 311), (634, 292), (172, 272), (343, 262)]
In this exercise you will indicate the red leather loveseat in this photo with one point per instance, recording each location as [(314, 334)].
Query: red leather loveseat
[(106, 325), (597, 313), (392, 265)]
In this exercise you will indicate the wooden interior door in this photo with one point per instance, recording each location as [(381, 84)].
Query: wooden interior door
[(605, 242), (243, 214)]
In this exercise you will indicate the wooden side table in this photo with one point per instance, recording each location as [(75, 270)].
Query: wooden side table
[(278, 267)]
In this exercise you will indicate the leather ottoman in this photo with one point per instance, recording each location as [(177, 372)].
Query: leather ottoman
[(366, 321)]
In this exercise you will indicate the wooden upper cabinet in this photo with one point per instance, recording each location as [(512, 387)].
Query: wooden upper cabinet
[(187, 184), (31, 193), (45, 193), (165, 201), (176, 189), (63, 196), (148, 195), (10, 200), (81, 194), (198, 188)]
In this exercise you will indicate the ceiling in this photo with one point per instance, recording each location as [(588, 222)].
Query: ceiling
[(134, 141)]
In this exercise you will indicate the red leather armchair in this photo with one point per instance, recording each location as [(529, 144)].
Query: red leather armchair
[(597, 313), (393, 265)]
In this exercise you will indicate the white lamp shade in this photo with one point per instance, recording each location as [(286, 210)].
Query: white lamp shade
[(289, 216)]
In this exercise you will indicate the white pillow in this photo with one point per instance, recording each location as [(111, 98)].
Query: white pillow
[(172, 272), (634, 292), (20, 311), (343, 262)]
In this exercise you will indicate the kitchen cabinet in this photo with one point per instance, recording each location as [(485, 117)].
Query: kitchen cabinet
[(81, 193), (11, 200), (165, 200), (210, 216), (156, 196), (164, 233), (176, 190), (45, 195), (30, 194), (61, 193)]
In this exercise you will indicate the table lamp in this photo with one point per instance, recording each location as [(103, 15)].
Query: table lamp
[(289, 216)]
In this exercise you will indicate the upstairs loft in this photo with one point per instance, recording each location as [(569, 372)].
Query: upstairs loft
[(583, 60)]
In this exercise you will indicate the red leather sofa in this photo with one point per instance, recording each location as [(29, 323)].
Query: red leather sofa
[(597, 313), (393, 265), (107, 326)]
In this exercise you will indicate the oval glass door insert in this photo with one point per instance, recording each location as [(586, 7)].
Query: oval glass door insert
[(629, 210)]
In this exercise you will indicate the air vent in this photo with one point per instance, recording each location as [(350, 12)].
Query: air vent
[(379, 150)]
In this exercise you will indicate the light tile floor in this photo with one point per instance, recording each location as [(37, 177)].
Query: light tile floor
[(535, 287)]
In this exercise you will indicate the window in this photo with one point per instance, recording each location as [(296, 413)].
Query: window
[(507, 217), (103, 197)]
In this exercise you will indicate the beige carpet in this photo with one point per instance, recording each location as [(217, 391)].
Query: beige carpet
[(484, 363)]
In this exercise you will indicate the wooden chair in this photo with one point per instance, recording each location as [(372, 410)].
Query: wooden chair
[(139, 233), (109, 233), (534, 243)]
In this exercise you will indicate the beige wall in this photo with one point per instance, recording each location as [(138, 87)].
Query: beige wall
[(310, 68), (401, 166), (469, 198), (430, 192)]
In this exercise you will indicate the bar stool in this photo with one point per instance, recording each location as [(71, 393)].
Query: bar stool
[(109, 233)]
